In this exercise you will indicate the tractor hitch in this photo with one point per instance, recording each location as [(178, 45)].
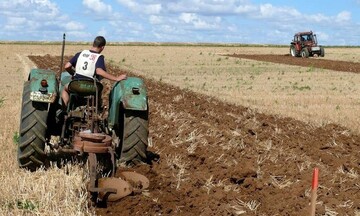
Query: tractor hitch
[(105, 189)]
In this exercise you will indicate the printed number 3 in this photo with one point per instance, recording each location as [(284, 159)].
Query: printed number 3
[(85, 65)]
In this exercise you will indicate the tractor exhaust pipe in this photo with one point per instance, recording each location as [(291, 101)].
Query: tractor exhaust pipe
[(62, 54)]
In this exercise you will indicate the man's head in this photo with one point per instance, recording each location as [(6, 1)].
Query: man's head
[(99, 43)]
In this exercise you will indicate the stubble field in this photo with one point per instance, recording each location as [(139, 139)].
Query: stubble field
[(235, 136)]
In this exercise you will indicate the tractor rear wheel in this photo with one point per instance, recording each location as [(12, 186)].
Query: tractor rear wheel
[(134, 140), (322, 52), (33, 126), (304, 53), (293, 51)]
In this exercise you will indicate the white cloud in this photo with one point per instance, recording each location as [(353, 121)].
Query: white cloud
[(97, 6), (267, 10), (216, 18), (270, 11), (245, 9), (23, 15), (73, 26), (188, 17), (35, 20), (318, 18), (16, 21), (232, 28), (33, 9), (206, 7), (155, 19), (343, 16), (203, 23), (153, 9), (166, 33), (102, 32), (133, 26), (79, 34), (322, 36), (146, 8)]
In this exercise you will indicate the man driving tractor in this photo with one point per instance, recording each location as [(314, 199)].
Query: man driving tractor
[(90, 65)]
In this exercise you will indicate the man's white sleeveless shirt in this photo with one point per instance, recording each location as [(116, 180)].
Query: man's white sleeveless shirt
[(86, 63)]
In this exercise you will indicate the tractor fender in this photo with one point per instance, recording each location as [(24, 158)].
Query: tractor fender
[(65, 78), (43, 85), (127, 94)]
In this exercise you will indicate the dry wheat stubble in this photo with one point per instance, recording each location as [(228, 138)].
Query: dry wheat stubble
[(23, 192)]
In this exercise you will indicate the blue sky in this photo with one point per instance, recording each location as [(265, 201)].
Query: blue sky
[(214, 21)]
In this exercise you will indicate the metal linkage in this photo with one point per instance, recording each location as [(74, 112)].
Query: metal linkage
[(94, 144)]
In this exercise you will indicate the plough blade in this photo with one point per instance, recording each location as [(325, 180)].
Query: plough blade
[(123, 188), (138, 181), (109, 188), (128, 183)]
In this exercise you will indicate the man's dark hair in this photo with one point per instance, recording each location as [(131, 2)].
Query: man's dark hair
[(99, 41)]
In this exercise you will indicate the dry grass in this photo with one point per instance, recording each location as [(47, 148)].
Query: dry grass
[(240, 207), (44, 192), (52, 192), (179, 167)]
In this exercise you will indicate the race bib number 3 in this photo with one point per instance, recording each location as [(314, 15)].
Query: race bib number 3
[(86, 63)]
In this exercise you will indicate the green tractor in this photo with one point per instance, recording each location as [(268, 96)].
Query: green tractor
[(86, 131)]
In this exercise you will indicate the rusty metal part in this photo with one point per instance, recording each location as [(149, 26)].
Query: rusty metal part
[(100, 193), (128, 183), (138, 182), (109, 188), (122, 187), (96, 137), (92, 169), (92, 142), (101, 189), (59, 152)]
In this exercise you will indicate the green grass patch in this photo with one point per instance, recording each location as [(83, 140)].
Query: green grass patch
[(301, 88), (2, 99), (27, 205), (16, 137), (311, 68)]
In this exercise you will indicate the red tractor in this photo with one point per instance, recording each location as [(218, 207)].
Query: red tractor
[(305, 44)]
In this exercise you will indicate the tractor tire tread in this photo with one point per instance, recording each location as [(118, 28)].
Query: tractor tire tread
[(135, 139), (33, 127)]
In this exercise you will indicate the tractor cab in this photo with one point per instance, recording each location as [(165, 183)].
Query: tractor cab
[(306, 38)]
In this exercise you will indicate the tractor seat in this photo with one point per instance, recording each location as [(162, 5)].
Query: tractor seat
[(84, 87)]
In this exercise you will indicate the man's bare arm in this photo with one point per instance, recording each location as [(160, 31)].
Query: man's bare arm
[(69, 68), (106, 75)]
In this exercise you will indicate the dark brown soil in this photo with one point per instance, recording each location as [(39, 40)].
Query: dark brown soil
[(318, 62), (240, 157)]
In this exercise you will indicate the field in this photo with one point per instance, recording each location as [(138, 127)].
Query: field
[(235, 136)]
